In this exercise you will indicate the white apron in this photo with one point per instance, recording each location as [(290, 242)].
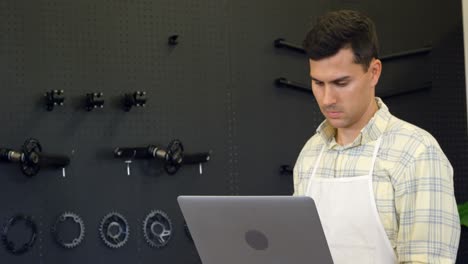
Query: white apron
[(350, 218)]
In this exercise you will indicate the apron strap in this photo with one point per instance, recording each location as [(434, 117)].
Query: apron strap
[(374, 156)]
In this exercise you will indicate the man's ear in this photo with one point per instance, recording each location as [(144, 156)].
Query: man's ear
[(375, 69)]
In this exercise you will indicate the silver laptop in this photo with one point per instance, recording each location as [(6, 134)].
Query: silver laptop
[(255, 229)]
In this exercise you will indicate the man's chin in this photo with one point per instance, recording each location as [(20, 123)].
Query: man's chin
[(336, 123)]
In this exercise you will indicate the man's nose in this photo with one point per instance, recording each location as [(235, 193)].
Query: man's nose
[(329, 97)]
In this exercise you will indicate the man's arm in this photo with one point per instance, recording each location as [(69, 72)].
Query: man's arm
[(429, 225)]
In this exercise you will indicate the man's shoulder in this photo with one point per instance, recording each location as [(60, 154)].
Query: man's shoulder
[(313, 145), (403, 132), (314, 141)]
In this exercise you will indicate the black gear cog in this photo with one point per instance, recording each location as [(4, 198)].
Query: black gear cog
[(30, 158), (157, 229), (114, 230), (10, 245), (174, 156), (68, 216)]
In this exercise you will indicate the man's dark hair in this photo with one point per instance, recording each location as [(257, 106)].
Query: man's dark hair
[(340, 29)]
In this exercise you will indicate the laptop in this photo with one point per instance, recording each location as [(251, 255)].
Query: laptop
[(255, 229)]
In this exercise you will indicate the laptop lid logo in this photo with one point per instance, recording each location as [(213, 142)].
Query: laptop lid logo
[(256, 240)]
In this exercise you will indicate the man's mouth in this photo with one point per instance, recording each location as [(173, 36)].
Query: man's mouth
[(333, 114)]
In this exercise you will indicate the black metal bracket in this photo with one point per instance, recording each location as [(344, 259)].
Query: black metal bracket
[(137, 99), (284, 82), (173, 40), (424, 87), (94, 100), (286, 170), (407, 53), (54, 98), (282, 43)]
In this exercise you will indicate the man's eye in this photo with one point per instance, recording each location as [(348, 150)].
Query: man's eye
[(318, 83), (342, 84)]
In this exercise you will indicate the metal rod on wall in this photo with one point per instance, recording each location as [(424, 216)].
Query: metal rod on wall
[(407, 53), (425, 87), (282, 43), (284, 82)]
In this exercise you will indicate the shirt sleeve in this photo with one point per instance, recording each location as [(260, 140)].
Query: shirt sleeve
[(299, 178), (296, 180), (429, 224)]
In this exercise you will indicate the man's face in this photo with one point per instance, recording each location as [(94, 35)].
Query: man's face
[(344, 90)]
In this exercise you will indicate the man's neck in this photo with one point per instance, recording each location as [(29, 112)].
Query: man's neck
[(345, 136)]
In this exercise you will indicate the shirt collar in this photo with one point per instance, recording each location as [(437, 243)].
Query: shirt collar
[(371, 132)]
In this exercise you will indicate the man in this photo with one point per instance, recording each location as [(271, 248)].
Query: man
[(383, 187)]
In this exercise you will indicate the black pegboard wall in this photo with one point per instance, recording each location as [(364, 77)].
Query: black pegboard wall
[(214, 91), (112, 47)]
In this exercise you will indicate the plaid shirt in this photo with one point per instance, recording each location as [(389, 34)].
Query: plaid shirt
[(413, 183)]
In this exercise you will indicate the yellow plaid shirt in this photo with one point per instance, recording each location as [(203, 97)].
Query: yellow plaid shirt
[(413, 183)]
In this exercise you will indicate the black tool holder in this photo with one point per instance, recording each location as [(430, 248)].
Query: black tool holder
[(286, 170), (282, 43), (54, 98), (173, 156), (173, 40), (284, 82), (31, 158), (94, 100), (137, 99)]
